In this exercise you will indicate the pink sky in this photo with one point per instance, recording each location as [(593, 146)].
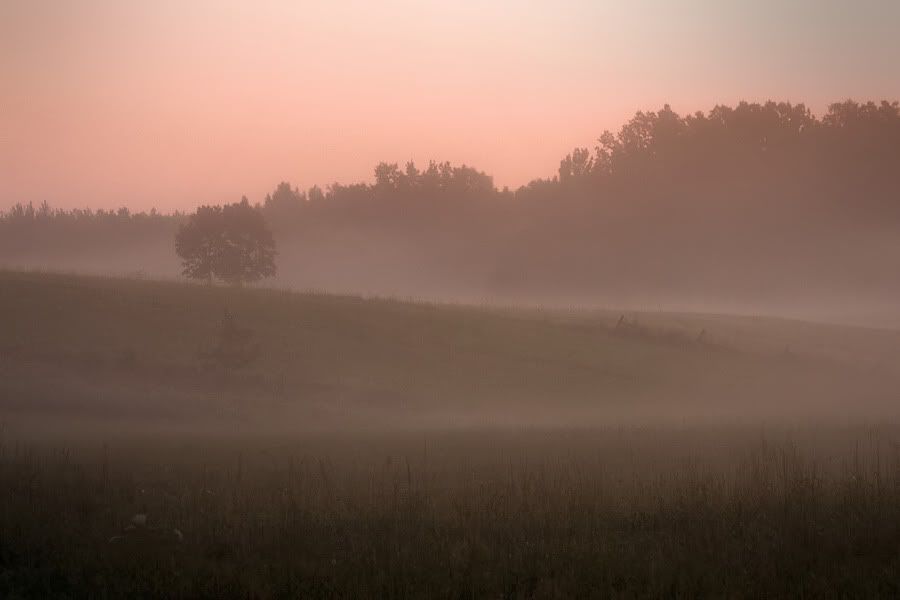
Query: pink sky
[(172, 104)]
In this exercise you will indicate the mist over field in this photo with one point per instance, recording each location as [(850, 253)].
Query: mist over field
[(752, 209), (400, 299)]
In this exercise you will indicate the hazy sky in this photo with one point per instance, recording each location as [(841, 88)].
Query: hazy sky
[(176, 103)]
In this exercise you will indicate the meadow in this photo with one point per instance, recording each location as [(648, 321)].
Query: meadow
[(388, 448), (721, 512), (129, 350)]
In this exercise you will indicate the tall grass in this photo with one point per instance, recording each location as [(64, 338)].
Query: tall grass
[(606, 513)]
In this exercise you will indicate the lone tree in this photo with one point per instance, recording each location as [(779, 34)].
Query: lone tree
[(231, 243)]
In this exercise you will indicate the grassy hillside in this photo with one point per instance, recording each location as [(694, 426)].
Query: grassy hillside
[(658, 429), (119, 347)]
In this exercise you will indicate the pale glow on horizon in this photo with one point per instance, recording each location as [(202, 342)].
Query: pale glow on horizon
[(173, 104)]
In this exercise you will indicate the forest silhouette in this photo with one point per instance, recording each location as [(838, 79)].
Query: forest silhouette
[(738, 202)]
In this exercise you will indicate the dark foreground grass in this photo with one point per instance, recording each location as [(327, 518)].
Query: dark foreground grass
[(625, 513)]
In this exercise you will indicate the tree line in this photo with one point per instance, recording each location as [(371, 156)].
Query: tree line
[(662, 179)]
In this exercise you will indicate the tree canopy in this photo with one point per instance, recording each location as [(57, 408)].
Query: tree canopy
[(232, 243)]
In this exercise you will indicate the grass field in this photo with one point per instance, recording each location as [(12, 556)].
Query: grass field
[(125, 349), (381, 448), (602, 513)]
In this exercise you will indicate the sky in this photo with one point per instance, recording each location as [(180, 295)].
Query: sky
[(171, 104)]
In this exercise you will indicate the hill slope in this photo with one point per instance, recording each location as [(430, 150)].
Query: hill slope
[(117, 349)]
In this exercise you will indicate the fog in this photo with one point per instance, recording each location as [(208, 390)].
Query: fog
[(398, 299), (553, 385), (760, 209)]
